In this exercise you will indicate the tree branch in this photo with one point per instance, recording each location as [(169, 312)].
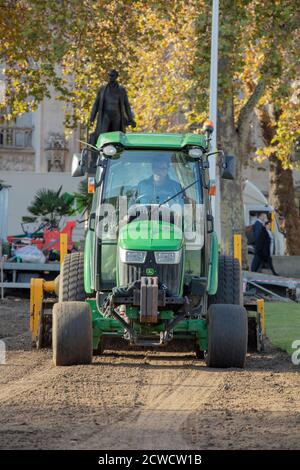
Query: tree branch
[(247, 109)]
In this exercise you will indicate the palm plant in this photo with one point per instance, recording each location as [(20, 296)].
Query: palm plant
[(50, 204), (83, 198)]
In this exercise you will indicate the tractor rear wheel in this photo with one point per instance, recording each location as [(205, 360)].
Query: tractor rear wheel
[(227, 336), (229, 282), (71, 278), (72, 333)]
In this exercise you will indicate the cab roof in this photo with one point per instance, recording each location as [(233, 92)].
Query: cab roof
[(148, 141)]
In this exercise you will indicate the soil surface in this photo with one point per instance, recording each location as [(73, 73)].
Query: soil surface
[(142, 399)]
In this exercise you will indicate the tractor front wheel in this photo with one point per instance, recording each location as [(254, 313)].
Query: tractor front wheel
[(227, 336), (72, 333)]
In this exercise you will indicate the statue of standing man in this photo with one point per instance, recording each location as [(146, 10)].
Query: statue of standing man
[(112, 107)]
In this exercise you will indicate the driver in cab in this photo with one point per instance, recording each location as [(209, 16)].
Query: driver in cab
[(159, 187)]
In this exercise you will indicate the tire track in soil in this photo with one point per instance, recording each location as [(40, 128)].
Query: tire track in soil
[(26, 377), (143, 400), (255, 408), (176, 389), (66, 403)]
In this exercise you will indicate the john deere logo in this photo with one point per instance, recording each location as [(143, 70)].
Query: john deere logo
[(150, 271)]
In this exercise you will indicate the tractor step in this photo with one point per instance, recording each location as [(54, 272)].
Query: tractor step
[(151, 342), (148, 343)]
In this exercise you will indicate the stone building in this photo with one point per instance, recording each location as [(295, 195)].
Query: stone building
[(35, 154), (36, 141)]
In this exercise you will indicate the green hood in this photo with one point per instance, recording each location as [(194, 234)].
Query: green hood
[(150, 235)]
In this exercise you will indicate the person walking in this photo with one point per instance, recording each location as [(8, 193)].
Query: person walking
[(257, 228), (265, 247)]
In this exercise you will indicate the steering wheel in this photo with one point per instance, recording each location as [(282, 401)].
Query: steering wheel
[(144, 195), (147, 208)]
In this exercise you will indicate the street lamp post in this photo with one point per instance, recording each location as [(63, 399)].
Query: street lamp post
[(213, 96)]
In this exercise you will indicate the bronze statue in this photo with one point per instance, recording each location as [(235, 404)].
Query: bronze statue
[(112, 107)]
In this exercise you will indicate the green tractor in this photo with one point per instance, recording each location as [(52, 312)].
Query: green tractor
[(151, 273)]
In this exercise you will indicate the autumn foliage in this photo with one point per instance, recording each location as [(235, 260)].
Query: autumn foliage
[(162, 50)]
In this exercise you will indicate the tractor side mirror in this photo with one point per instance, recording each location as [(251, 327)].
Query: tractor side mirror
[(228, 167), (210, 223), (78, 165), (92, 221)]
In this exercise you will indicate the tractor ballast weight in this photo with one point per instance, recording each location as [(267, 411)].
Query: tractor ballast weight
[(151, 272)]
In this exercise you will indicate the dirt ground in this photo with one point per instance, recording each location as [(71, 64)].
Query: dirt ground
[(142, 400)]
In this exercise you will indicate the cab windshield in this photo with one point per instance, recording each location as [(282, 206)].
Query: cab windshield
[(152, 177)]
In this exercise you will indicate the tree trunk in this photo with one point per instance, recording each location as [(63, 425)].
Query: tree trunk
[(282, 198), (282, 190), (234, 140), (232, 207)]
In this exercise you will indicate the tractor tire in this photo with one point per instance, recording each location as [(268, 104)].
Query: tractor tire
[(72, 334), (71, 278), (227, 336), (230, 289)]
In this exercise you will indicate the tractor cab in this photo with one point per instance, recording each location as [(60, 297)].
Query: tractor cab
[(149, 210)]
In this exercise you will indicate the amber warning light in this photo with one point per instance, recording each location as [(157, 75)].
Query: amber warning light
[(212, 190), (208, 126), (91, 185)]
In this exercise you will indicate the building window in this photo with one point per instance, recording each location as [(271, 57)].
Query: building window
[(16, 134)]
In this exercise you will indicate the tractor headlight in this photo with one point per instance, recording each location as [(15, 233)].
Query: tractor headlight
[(130, 256), (109, 150), (195, 152), (167, 257)]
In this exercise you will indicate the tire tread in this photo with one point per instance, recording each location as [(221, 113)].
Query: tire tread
[(72, 333), (71, 286)]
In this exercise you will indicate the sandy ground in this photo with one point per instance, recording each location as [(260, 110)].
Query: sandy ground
[(142, 400)]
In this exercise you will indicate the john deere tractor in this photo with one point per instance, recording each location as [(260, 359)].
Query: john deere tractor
[(151, 273)]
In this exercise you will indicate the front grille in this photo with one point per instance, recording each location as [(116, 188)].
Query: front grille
[(129, 273), (168, 274)]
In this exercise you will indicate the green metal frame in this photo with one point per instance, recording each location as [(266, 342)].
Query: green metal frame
[(212, 281), (195, 329), (87, 266)]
